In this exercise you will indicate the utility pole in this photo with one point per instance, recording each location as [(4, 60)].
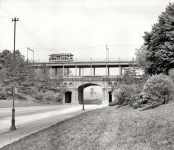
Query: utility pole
[(13, 127), (107, 53), (27, 54), (106, 59)]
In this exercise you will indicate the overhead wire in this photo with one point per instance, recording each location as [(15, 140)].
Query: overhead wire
[(98, 47), (86, 47), (7, 11), (126, 45), (25, 30), (32, 37), (39, 42), (5, 17)]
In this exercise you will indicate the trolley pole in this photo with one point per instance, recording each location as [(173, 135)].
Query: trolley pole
[(13, 127)]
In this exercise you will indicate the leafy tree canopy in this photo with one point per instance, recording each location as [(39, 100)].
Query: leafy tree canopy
[(160, 43), (141, 57)]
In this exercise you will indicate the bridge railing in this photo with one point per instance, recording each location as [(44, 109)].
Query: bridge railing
[(88, 60), (89, 78), (92, 78)]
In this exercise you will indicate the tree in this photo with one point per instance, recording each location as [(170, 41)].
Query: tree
[(6, 61), (141, 57), (159, 42)]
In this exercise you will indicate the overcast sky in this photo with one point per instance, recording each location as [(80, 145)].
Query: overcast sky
[(73, 25)]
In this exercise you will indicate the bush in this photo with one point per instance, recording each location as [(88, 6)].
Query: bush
[(52, 96), (3, 96), (159, 88), (39, 96), (49, 96), (113, 103), (138, 98), (124, 93)]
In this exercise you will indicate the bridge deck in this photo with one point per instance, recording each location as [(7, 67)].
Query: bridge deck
[(87, 64)]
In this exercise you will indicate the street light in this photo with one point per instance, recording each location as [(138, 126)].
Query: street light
[(83, 93), (13, 127), (83, 98)]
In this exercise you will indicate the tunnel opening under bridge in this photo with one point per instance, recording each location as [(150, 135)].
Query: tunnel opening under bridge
[(90, 93)]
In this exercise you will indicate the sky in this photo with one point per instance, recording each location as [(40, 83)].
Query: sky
[(81, 27)]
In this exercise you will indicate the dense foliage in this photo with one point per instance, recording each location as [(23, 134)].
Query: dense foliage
[(171, 74), (160, 43), (141, 57), (28, 81), (159, 88), (124, 93)]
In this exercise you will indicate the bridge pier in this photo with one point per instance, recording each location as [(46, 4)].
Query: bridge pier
[(55, 71), (108, 71), (79, 71), (105, 95), (74, 96), (120, 70), (94, 71)]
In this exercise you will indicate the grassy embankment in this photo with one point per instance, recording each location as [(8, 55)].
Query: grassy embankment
[(108, 129)]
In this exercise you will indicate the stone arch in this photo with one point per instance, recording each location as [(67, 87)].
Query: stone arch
[(81, 90), (86, 84)]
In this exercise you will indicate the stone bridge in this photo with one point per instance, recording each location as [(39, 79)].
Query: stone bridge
[(75, 87)]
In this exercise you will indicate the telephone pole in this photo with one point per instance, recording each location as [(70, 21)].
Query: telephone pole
[(107, 53), (13, 127), (31, 51)]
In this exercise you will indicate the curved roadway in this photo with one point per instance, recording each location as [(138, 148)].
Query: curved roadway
[(34, 118)]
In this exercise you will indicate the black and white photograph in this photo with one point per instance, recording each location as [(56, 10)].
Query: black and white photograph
[(86, 74)]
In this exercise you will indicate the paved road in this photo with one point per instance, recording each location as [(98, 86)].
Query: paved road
[(34, 118)]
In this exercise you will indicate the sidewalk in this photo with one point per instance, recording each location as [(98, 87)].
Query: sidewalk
[(23, 131)]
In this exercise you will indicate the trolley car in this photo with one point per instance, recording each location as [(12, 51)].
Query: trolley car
[(61, 57)]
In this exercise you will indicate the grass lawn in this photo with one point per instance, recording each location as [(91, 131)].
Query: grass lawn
[(107, 129)]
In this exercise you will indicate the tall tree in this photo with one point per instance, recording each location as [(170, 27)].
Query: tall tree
[(141, 57), (160, 43)]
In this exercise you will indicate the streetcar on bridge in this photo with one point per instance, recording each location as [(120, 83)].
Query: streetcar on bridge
[(61, 57)]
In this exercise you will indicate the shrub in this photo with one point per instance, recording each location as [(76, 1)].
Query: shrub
[(52, 96), (59, 97), (124, 93), (3, 96), (159, 88), (138, 98), (49, 96), (171, 74), (39, 96), (113, 103)]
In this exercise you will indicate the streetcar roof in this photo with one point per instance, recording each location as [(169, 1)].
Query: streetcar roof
[(61, 54)]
